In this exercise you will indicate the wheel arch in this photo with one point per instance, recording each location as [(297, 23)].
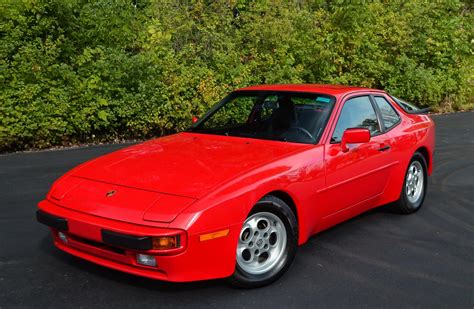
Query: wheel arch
[(286, 197), (426, 154)]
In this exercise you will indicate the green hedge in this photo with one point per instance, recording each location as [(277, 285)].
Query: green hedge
[(77, 70)]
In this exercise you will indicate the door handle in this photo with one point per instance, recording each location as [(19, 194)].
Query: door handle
[(384, 148)]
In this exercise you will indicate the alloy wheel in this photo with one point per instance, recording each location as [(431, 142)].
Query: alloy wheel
[(262, 243), (414, 183)]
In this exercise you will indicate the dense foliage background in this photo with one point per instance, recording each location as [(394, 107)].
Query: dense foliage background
[(83, 70)]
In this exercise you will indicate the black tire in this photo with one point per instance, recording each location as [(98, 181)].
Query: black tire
[(277, 207), (404, 205)]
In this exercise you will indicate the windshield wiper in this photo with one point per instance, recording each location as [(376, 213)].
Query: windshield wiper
[(243, 134), (281, 139)]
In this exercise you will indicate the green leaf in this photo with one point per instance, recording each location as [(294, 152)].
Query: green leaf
[(102, 115)]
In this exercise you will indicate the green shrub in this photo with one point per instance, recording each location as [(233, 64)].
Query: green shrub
[(78, 70)]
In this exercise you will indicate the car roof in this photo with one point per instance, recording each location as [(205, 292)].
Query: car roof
[(335, 90)]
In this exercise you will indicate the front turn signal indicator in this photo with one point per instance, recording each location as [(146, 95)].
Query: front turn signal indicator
[(213, 235), (166, 242)]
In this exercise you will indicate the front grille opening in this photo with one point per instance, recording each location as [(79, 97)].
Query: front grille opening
[(100, 245)]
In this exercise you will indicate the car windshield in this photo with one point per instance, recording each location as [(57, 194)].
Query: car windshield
[(283, 116)]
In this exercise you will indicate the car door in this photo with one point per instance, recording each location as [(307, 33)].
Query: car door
[(358, 176)]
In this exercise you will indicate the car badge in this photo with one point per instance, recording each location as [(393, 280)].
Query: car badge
[(110, 193)]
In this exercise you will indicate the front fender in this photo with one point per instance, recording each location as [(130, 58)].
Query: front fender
[(230, 205)]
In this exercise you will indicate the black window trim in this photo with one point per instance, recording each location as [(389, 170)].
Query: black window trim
[(377, 113), (385, 130)]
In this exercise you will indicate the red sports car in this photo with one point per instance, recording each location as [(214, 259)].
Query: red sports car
[(250, 181)]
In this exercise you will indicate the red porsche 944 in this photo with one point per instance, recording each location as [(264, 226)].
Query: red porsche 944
[(250, 181)]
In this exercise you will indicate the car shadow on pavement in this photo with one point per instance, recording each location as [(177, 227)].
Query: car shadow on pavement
[(77, 264), (47, 247)]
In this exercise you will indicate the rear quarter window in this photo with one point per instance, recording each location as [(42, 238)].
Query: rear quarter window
[(390, 117)]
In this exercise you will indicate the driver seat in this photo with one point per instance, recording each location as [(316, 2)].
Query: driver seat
[(284, 116)]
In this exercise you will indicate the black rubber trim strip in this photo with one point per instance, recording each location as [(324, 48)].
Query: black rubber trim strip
[(52, 221), (127, 241)]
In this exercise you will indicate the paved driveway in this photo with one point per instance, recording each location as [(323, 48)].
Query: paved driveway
[(377, 259)]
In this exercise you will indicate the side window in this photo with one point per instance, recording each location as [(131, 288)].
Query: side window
[(389, 116), (356, 113)]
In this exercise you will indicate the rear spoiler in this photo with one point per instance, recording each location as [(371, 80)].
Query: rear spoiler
[(425, 110), (409, 108)]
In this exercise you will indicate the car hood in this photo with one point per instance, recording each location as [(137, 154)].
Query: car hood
[(185, 164)]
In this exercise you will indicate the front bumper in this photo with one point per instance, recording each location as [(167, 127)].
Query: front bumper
[(195, 259)]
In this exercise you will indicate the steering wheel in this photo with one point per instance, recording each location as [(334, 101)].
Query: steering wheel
[(306, 132)]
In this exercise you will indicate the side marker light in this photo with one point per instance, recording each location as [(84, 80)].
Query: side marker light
[(213, 235)]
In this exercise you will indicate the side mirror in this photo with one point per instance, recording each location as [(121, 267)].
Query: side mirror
[(354, 136), (194, 119)]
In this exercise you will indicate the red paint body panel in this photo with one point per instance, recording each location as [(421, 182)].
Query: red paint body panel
[(184, 164), (198, 183)]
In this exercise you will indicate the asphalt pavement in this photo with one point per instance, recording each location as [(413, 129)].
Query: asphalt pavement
[(378, 259)]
